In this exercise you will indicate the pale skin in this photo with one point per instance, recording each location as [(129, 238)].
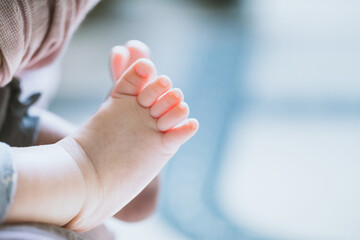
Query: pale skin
[(53, 129), (101, 167)]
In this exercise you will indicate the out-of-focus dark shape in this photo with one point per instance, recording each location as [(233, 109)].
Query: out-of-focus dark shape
[(103, 9), (217, 3)]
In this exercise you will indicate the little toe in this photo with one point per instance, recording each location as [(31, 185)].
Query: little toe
[(166, 102), (119, 61), (137, 50), (170, 119), (179, 135), (135, 78), (153, 91)]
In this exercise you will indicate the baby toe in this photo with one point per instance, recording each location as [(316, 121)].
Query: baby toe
[(166, 103), (153, 91), (180, 134), (135, 78), (170, 119), (119, 61)]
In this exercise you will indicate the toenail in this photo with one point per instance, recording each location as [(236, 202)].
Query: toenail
[(163, 82), (177, 94), (183, 106), (142, 70), (119, 50), (193, 124)]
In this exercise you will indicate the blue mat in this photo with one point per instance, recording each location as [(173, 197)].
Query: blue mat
[(189, 202)]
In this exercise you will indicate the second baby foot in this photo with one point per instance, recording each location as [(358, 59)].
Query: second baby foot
[(128, 141)]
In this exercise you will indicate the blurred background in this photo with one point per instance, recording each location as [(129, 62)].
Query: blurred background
[(275, 85)]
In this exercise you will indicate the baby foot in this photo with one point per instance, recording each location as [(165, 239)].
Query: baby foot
[(128, 141)]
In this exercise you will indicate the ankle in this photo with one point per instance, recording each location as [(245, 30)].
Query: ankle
[(50, 188), (93, 187)]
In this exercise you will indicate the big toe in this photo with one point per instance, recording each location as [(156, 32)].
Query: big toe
[(137, 50), (119, 60)]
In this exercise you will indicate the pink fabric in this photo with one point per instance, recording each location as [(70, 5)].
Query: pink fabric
[(33, 32)]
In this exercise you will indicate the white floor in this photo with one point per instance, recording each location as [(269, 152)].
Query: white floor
[(152, 228), (294, 178)]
